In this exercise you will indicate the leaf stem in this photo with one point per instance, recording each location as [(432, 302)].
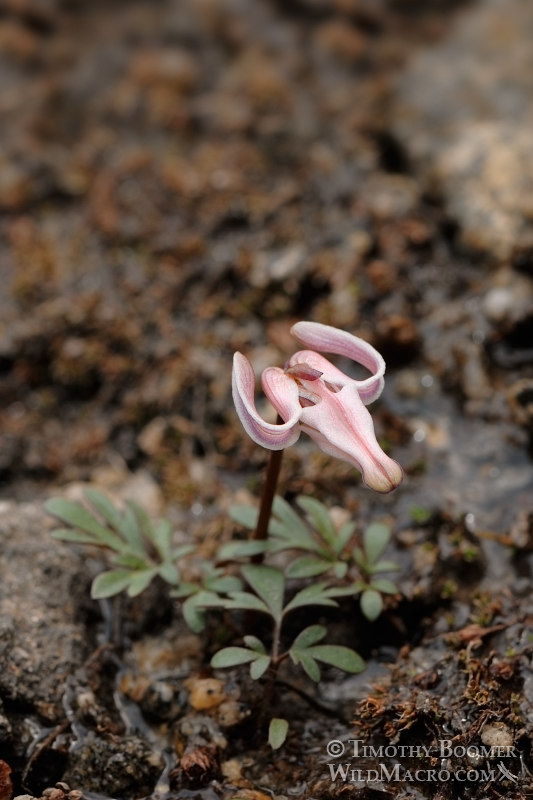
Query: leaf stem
[(272, 673)]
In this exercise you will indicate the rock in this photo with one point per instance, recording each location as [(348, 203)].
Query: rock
[(43, 585), (6, 786), (125, 767), (464, 115)]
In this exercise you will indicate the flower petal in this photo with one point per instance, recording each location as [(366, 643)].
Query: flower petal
[(327, 339), (320, 364), (342, 427), (283, 393), (369, 389), (267, 434)]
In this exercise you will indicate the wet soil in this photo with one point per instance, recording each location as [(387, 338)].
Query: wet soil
[(187, 178)]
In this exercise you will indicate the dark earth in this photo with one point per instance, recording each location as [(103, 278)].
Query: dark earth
[(180, 179)]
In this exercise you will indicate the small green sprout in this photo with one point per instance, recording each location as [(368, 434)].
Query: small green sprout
[(420, 514), (376, 537), (277, 732)]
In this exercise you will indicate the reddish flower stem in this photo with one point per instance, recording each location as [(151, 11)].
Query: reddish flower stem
[(267, 497)]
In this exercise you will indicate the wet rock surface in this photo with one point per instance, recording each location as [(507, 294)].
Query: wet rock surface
[(42, 594), (184, 179)]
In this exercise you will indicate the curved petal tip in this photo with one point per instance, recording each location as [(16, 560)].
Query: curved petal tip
[(266, 434)]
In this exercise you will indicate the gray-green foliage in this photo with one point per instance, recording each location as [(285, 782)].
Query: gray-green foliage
[(321, 549), (140, 550), (267, 595), (198, 596), (376, 537), (277, 732)]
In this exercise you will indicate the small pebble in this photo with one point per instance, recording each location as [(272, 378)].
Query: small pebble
[(205, 693), (497, 304), (497, 734)]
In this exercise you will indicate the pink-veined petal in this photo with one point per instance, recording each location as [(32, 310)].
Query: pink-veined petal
[(328, 372), (342, 427), (369, 389), (283, 393), (267, 434), (327, 339)]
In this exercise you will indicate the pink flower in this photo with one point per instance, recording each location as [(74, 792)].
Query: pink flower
[(313, 396)]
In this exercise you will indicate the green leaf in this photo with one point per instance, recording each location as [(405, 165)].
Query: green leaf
[(346, 590), (140, 581), (259, 667), (185, 589), (194, 613), (232, 657), (143, 520), (277, 732), (338, 656), (224, 584), (169, 572), (278, 544), (375, 539), (320, 518), (242, 600), (269, 584), (317, 594), (241, 549), (75, 536), (371, 604), (162, 538), (131, 561), (384, 566), (288, 526), (356, 587), (131, 530), (344, 536), (384, 585), (77, 516), (287, 515), (309, 636), (307, 567), (246, 516), (340, 568), (105, 507), (193, 607), (360, 559), (111, 582), (180, 551), (307, 662), (254, 644), (194, 617)]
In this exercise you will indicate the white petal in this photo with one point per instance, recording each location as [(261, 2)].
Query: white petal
[(342, 427), (267, 434), (327, 339)]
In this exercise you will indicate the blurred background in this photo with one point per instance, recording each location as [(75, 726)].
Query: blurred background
[(180, 179)]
